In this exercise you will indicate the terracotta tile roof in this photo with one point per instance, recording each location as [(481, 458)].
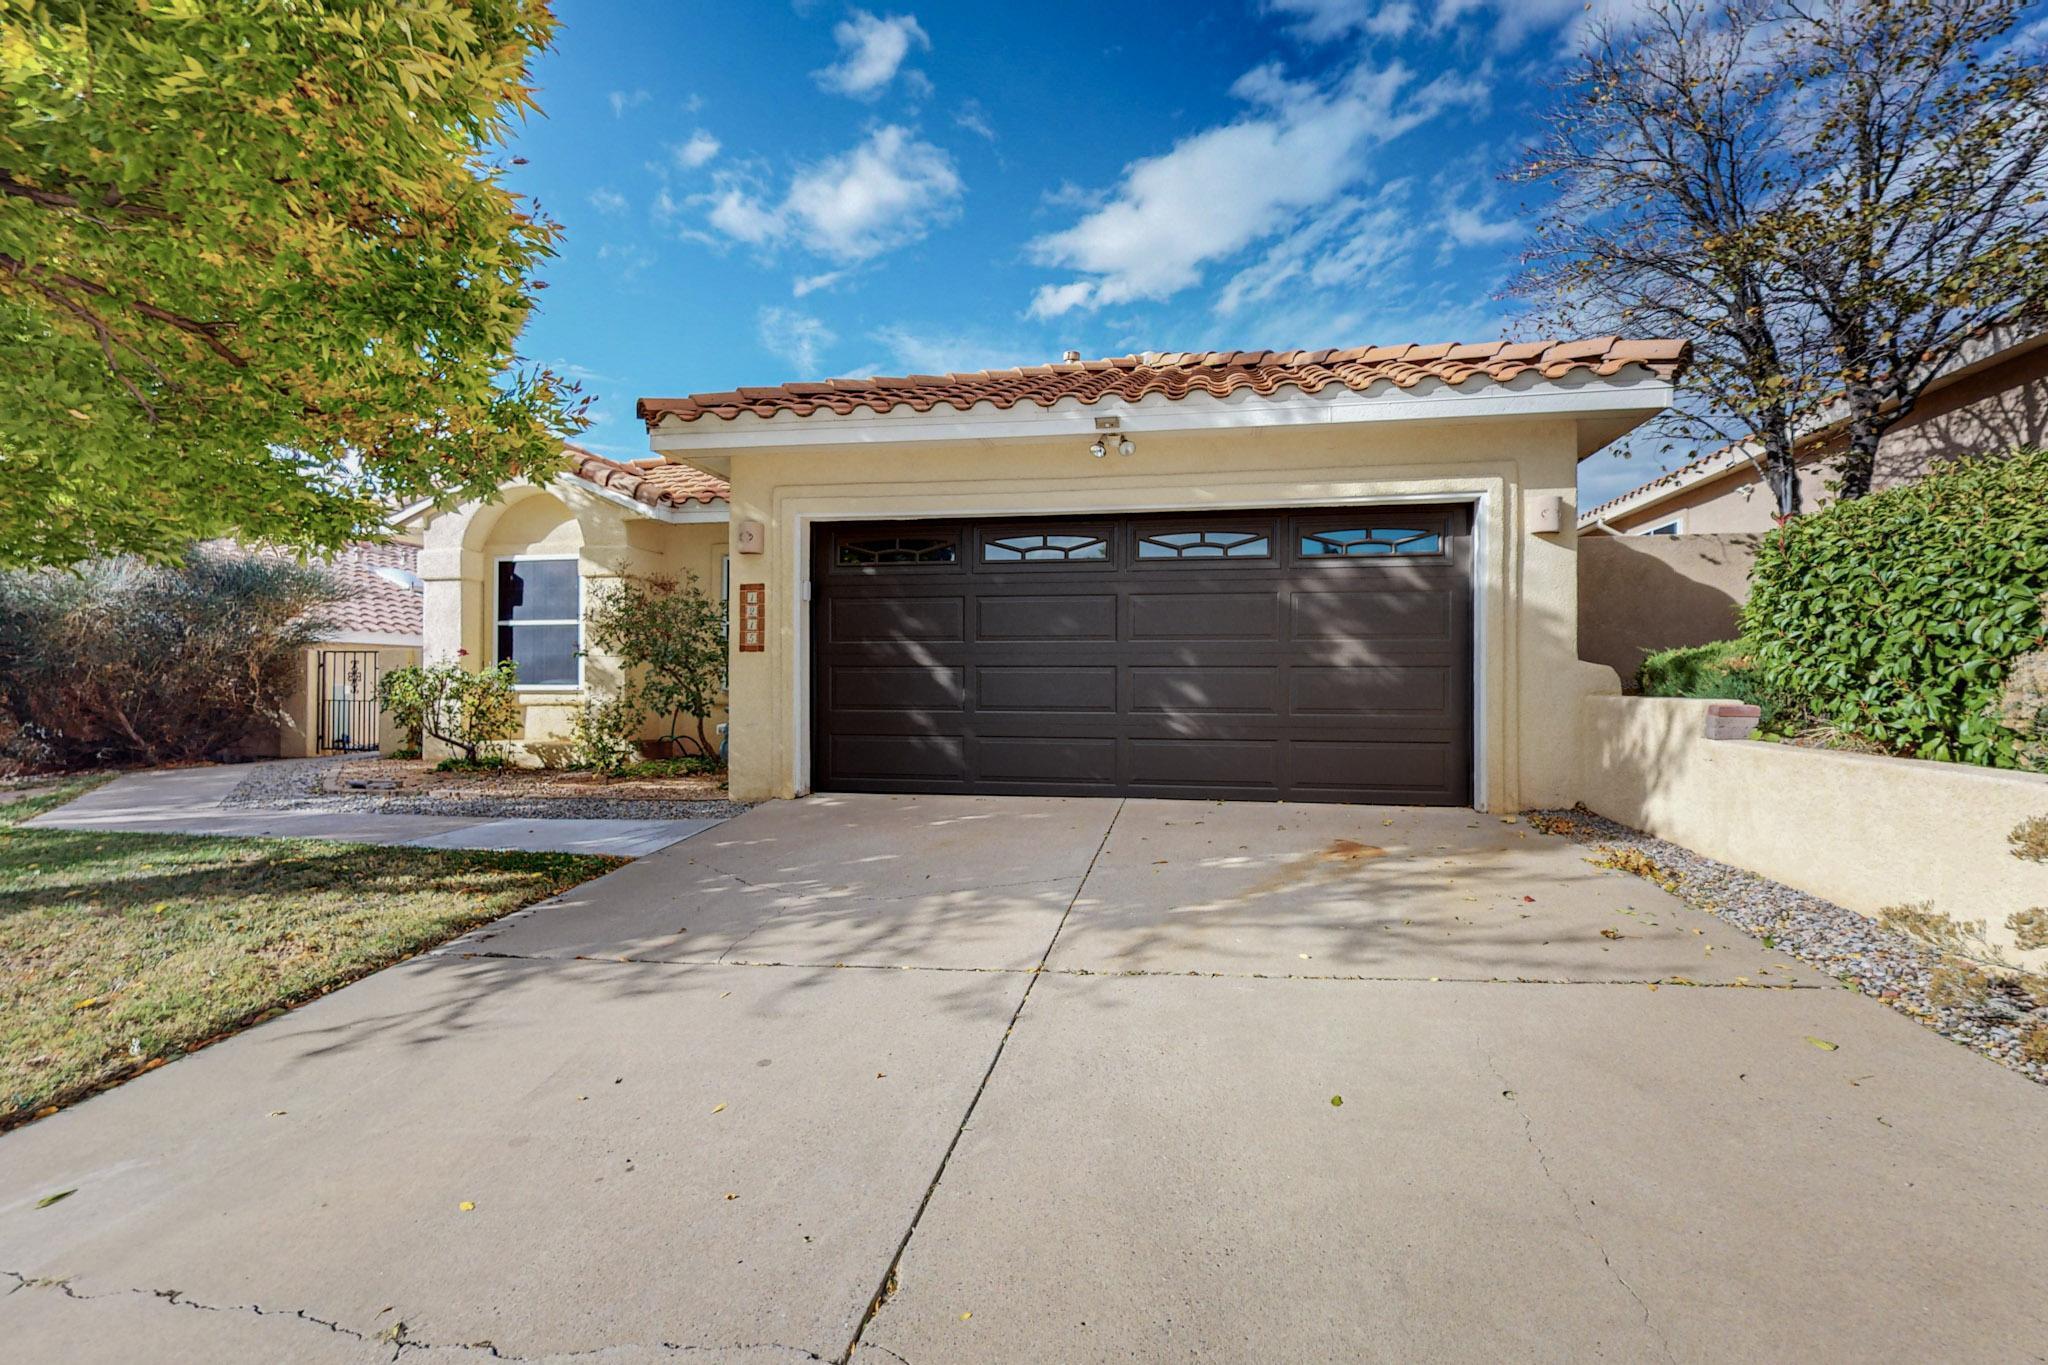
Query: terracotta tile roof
[(658, 483), (374, 605), (1177, 374)]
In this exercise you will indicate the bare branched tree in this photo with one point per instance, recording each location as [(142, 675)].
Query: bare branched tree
[(1921, 132), (1665, 148)]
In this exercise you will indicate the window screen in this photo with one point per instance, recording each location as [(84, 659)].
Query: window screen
[(539, 620)]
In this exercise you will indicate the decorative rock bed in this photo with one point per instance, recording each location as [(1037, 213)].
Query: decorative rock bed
[(1853, 948), (298, 784)]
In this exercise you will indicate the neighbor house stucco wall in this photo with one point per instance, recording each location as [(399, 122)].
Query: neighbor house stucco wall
[(1530, 676), (458, 558), (1989, 411)]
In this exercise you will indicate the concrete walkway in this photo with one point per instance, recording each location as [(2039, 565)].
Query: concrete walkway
[(188, 801), (1057, 1080)]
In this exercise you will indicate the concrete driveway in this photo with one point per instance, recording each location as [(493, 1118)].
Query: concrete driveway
[(1055, 1080)]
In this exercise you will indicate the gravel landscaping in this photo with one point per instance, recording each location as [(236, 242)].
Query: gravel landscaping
[(1853, 948), (296, 784)]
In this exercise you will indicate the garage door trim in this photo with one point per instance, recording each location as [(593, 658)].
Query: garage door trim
[(806, 514)]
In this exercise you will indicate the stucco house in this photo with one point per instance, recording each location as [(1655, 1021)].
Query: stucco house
[(1303, 575), (1995, 399)]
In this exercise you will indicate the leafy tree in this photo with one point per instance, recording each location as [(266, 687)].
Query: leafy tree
[(1665, 146), (1922, 137), (258, 275), (464, 709), (1831, 198), (672, 637), (124, 662)]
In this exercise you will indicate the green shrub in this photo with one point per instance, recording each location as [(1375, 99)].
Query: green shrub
[(468, 711), (690, 765), (124, 662), (671, 637), (1726, 670), (1897, 617), (601, 734)]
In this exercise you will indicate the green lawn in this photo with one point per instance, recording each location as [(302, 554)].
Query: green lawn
[(122, 951)]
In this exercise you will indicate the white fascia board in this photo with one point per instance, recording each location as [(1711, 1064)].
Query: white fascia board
[(695, 513), (1429, 401)]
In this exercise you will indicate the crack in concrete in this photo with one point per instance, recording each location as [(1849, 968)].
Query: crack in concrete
[(395, 1339), (1571, 1202), (888, 1283)]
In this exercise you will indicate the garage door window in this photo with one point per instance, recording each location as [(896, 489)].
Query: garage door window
[(886, 551), (538, 620), (1370, 541), (1034, 547), (1204, 545)]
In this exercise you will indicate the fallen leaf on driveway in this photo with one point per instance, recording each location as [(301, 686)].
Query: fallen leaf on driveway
[(466, 1206), (732, 1196), (718, 1109), (50, 1199), (1336, 1101), (1610, 933), (1823, 1044), (965, 1316)]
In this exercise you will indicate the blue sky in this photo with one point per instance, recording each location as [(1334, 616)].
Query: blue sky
[(766, 191)]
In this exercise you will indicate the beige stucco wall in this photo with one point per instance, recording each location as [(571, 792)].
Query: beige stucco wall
[(458, 558), (298, 732), (1862, 831), (1640, 594), (1996, 409), (1531, 678)]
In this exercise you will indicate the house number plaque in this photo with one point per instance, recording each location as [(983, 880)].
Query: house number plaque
[(753, 617)]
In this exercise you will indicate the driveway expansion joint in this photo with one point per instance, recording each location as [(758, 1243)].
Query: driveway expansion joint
[(887, 1285), (396, 1340)]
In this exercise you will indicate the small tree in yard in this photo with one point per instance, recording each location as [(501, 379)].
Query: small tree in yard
[(122, 662), (463, 709), (673, 637)]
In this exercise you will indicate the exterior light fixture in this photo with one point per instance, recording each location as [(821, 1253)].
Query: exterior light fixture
[(1098, 450), (1124, 446)]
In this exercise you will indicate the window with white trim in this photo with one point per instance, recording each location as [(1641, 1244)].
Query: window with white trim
[(1669, 528), (540, 620)]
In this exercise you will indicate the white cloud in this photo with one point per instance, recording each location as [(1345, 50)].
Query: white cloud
[(917, 351), (974, 119), (607, 200), (811, 284), (871, 51), (626, 258), (795, 337), (699, 149), (1218, 191), (744, 218), (622, 100), (889, 190), (1323, 21), (1514, 20)]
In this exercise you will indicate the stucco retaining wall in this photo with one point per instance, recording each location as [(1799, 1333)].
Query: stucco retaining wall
[(1861, 831)]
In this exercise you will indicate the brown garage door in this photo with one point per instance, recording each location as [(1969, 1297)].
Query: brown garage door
[(1300, 656)]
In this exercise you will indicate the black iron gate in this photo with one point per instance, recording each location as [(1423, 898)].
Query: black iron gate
[(345, 701)]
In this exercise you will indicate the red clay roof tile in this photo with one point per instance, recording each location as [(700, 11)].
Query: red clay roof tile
[(657, 483), (1176, 374)]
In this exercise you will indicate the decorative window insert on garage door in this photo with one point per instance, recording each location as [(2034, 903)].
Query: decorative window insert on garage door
[(1273, 655)]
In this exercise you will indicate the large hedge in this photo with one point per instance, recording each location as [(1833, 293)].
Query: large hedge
[(1898, 616), (122, 662)]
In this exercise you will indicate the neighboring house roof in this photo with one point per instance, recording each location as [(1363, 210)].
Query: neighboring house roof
[(656, 482), (375, 606), (1994, 347), (1177, 374)]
